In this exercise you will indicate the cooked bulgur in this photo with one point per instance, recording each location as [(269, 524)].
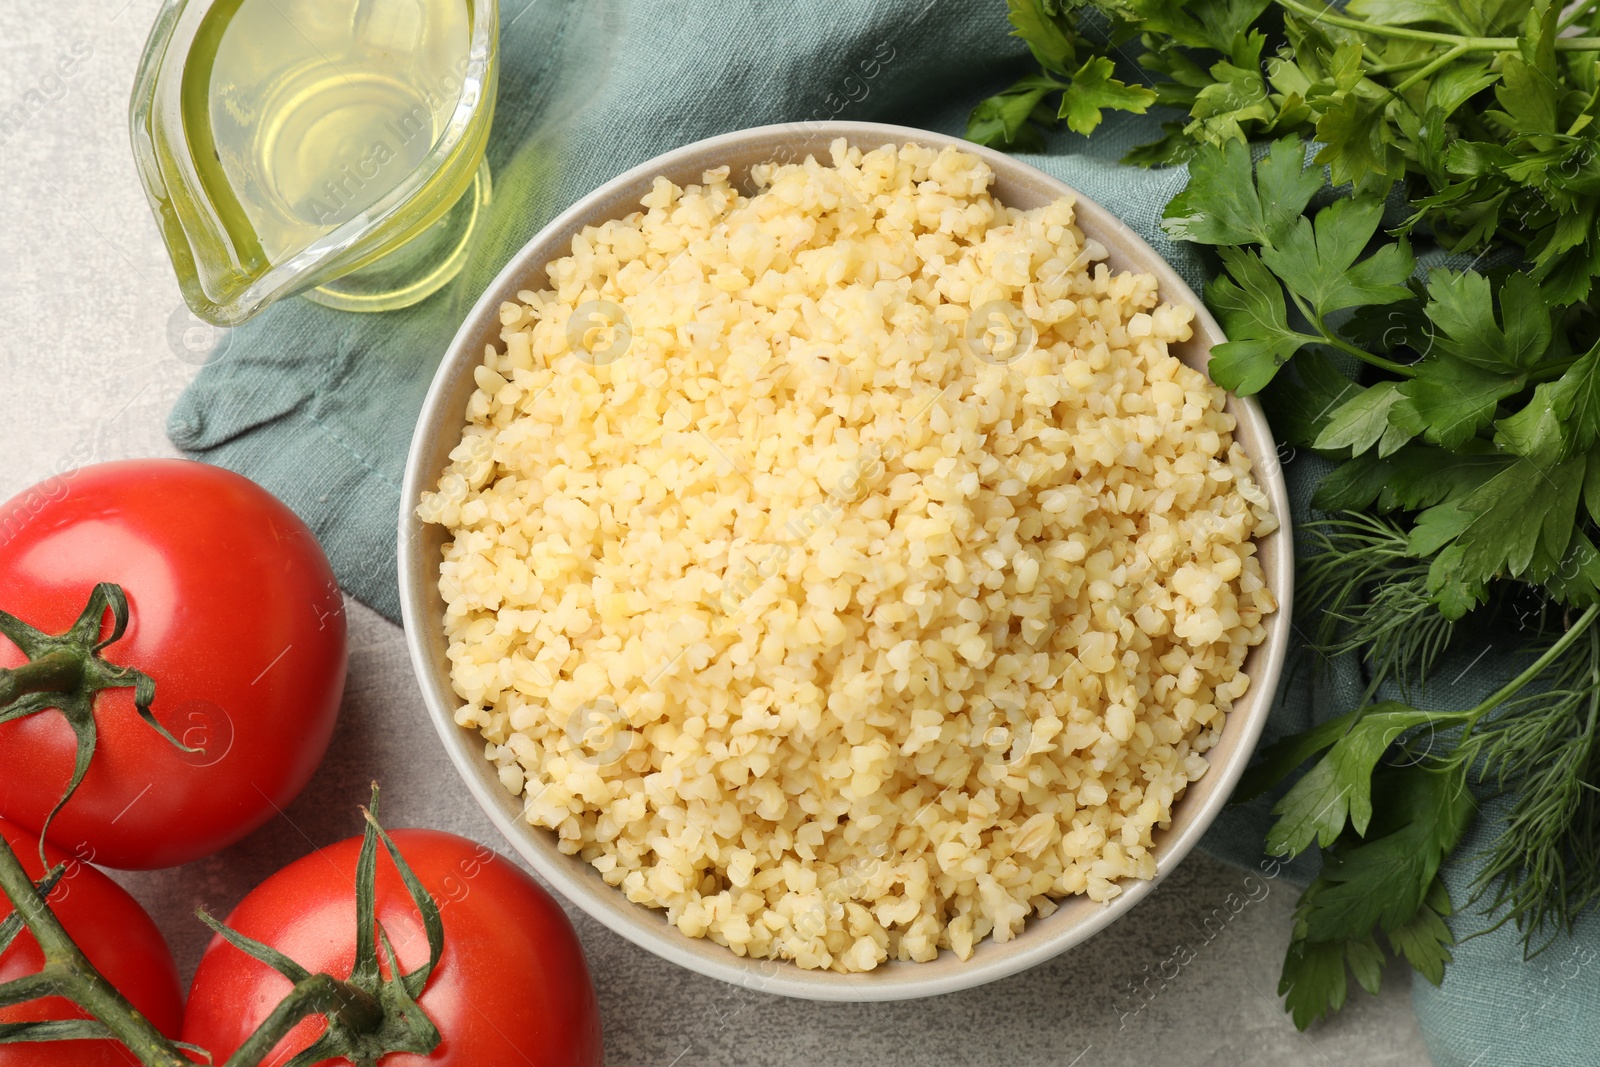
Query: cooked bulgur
[(842, 626)]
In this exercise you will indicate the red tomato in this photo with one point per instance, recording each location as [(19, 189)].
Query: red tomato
[(236, 615), (511, 988), (119, 939)]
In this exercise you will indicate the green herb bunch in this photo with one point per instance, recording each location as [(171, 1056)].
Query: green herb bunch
[(1460, 406), (1486, 109)]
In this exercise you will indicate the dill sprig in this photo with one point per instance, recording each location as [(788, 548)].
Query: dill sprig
[(1370, 597), (1543, 867)]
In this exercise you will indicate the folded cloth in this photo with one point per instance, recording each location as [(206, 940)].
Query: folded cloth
[(318, 405)]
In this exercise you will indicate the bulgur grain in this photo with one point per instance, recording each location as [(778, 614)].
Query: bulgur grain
[(840, 625)]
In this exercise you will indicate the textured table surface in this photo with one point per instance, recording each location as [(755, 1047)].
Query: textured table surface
[(88, 300)]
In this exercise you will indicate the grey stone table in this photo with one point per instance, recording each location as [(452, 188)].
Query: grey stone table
[(86, 296)]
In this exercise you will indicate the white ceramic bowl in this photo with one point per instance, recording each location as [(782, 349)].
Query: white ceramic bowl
[(439, 429)]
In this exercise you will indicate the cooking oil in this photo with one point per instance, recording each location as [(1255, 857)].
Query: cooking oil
[(301, 114)]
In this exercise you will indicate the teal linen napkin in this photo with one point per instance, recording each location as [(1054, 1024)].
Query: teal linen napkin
[(318, 405)]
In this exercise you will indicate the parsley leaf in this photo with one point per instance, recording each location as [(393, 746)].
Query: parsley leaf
[(1339, 787), (1454, 86), (1213, 24), (1454, 589), (1303, 400), (1534, 433), (1416, 476), (1411, 12), (1575, 399), (1517, 523), (1318, 260), (1093, 90), (1381, 880), (1471, 361), (1040, 26), (1352, 485), (1225, 204), (1419, 476), (1461, 305), (1250, 307), (1364, 421), (1359, 144), (1314, 979), (1384, 880), (1009, 119), (1529, 89), (1313, 982), (1237, 95), (1276, 761), (1425, 941), (1230, 203), (1451, 401), (1576, 582), (1173, 147)]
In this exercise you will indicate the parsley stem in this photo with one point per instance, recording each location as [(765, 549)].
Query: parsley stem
[(1331, 16), (1405, 33), (1443, 60), (1378, 69), (1362, 354), (1329, 337), (1511, 688)]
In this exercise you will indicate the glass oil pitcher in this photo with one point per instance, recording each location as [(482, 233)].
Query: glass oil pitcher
[(327, 147)]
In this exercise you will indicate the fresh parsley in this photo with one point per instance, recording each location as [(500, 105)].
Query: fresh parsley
[(1485, 111)]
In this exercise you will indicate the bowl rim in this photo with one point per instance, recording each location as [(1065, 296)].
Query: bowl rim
[(645, 926)]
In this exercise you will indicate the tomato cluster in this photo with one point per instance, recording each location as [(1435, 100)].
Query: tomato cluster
[(202, 705)]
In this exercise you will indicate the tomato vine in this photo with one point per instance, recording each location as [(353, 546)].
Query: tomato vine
[(370, 1014)]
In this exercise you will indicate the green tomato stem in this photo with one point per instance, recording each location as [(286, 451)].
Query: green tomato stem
[(31, 987), (359, 1016), (60, 671), (317, 994), (71, 975), (357, 1009), (309, 997), (66, 672), (68, 973)]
